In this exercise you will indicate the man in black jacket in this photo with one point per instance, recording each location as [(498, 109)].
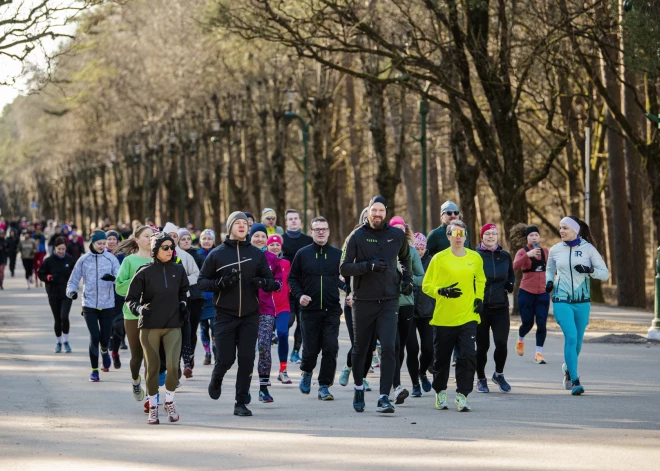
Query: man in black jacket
[(234, 272), (314, 282), (370, 258)]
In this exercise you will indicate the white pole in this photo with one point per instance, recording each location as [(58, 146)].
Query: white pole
[(587, 171)]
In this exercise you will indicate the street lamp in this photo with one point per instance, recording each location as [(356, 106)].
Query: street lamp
[(290, 95)]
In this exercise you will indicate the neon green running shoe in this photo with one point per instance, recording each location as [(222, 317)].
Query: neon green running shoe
[(462, 403), (441, 400)]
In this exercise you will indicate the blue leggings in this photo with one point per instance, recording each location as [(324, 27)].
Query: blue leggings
[(573, 320), (533, 307), (282, 327)]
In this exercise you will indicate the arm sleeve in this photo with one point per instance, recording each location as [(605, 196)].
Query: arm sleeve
[(74, 279), (134, 295), (479, 278), (191, 270), (406, 264), (123, 280), (207, 276), (44, 270), (600, 269), (348, 266), (430, 283), (550, 267), (522, 261), (294, 277), (418, 268)]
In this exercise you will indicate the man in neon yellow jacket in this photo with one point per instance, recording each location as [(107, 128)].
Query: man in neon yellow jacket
[(456, 280)]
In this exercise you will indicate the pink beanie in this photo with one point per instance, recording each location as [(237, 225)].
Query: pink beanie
[(487, 227), (419, 241), (397, 221), (274, 238)]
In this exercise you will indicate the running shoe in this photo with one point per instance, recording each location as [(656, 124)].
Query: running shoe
[(187, 371), (295, 357), (358, 400), (58, 347), (367, 386), (384, 406), (567, 377), (94, 377), (441, 400), (400, 394), (161, 378), (426, 384), (116, 362), (138, 392), (324, 394), (67, 347), (242, 411), (576, 388), (215, 387), (264, 396), (417, 391), (375, 361), (520, 348), (305, 382), (107, 361), (207, 359), (172, 414), (153, 416), (344, 376), (538, 359), (501, 382), (284, 377), (482, 386), (462, 403)]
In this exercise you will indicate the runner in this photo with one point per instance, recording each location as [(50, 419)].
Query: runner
[(258, 238), (269, 219), (207, 242), (406, 310), (495, 315), (98, 271), (315, 283), (13, 243), (418, 363), (294, 239), (533, 301), (158, 294), (235, 272), (282, 307), (456, 280), (4, 251), (118, 333), (437, 239), (370, 259), (40, 254), (75, 247), (55, 272), (575, 261), (137, 251), (28, 248)]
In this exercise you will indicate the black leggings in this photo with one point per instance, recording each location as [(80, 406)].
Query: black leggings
[(12, 263), (61, 306), (404, 323), (99, 324), (28, 264), (495, 319), (418, 364), (348, 317)]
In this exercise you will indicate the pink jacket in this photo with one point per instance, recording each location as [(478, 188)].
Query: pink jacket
[(266, 301), (532, 282)]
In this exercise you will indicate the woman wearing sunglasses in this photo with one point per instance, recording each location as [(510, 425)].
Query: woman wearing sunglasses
[(500, 277), (158, 295)]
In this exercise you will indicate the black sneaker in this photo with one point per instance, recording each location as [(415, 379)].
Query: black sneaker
[(215, 387), (358, 400), (241, 410), (384, 406), (116, 361)]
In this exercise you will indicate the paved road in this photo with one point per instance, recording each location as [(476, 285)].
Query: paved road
[(52, 417)]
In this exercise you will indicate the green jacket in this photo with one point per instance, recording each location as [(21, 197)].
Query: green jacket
[(126, 273), (437, 240), (418, 277)]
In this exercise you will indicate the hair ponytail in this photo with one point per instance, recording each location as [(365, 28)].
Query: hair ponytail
[(585, 231), (130, 245)]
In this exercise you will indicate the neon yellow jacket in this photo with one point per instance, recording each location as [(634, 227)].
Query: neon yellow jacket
[(446, 269)]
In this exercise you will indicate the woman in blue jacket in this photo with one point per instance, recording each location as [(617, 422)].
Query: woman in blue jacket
[(574, 261), (207, 242)]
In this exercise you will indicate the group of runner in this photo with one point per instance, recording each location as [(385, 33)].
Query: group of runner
[(433, 298)]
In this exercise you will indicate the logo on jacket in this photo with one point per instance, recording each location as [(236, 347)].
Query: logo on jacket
[(389, 240), (373, 241), (578, 253)]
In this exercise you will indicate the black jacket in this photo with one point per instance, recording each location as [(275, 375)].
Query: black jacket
[(60, 269), (315, 273), (498, 268), (424, 305), (291, 245), (241, 299), (162, 286), (365, 246), (12, 245)]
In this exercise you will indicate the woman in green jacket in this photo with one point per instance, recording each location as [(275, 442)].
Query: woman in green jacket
[(406, 311)]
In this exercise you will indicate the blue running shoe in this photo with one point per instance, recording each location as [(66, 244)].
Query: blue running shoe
[(58, 347), (94, 377), (295, 357), (426, 384), (482, 386), (367, 386), (67, 347), (324, 394), (358, 400), (264, 396), (385, 406), (305, 382), (161, 378), (501, 382), (107, 361), (417, 391), (577, 389), (345, 376)]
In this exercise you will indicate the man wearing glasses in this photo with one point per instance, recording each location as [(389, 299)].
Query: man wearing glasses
[(456, 280), (314, 282), (437, 240)]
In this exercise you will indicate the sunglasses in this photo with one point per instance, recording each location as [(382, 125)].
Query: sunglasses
[(457, 233), (270, 218), (166, 248), (451, 213)]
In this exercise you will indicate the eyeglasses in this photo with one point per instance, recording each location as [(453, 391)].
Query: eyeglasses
[(321, 229), (457, 233), (490, 233), (166, 248), (451, 213)]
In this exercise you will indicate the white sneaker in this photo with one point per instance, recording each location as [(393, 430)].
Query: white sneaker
[(284, 378), (400, 394)]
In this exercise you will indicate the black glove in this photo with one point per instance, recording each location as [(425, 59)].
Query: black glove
[(108, 277), (406, 289), (584, 269), (183, 310), (478, 306), (450, 291), (259, 283), (146, 310), (277, 286), (509, 287), (548, 286), (230, 280), (74, 295), (379, 266)]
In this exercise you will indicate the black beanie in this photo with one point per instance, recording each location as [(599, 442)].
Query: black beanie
[(157, 240), (378, 199), (531, 229)]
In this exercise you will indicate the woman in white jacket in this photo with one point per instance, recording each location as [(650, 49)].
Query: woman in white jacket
[(574, 261)]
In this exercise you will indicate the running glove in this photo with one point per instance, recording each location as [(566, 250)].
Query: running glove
[(183, 310), (277, 286), (230, 280), (584, 269), (450, 291), (259, 283), (509, 287), (406, 289), (478, 306), (74, 295), (49, 278), (144, 310), (379, 266), (548, 286), (108, 277)]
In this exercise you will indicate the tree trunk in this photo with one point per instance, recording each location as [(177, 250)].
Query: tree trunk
[(354, 142), (434, 188)]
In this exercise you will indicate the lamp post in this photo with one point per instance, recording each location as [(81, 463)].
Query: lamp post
[(305, 139), (423, 112)]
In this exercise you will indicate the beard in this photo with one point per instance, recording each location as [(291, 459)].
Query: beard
[(376, 223)]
